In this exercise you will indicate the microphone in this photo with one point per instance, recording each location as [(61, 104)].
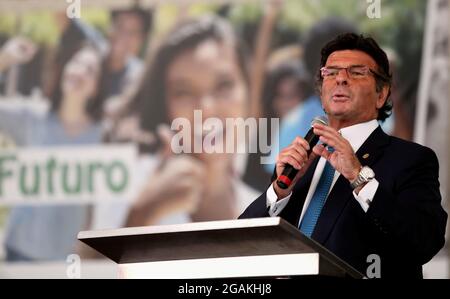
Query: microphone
[(289, 172)]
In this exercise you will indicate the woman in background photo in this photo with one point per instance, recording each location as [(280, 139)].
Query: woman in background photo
[(199, 65), (49, 232)]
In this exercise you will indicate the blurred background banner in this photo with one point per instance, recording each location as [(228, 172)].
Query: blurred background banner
[(66, 174), (94, 86)]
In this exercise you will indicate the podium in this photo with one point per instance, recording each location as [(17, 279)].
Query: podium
[(259, 247)]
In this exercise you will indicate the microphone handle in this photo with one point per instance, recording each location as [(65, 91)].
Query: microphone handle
[(289, 172)]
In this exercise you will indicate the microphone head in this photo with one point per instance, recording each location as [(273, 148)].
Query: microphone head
[(320, 119)]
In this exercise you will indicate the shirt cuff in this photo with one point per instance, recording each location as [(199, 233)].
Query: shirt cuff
[(275, 206), (366, 194)]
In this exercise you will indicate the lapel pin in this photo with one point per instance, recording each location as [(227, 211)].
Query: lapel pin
[(365, 156)]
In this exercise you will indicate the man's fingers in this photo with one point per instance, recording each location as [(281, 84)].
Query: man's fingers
[(332, 138), (331, 135), (331, 142), (290, 159), (295, 149), (298, 161), (302, 142), (300, 151), (320, 150), (297, 152)]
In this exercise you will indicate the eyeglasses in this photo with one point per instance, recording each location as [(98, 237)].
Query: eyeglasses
[(353, 72)]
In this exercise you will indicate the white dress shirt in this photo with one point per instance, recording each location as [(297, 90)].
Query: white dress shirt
[(356, 136)]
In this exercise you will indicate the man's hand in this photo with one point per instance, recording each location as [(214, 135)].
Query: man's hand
[(295, 155), (343, 159)]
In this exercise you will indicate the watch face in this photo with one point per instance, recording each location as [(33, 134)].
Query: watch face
[(367, 172)]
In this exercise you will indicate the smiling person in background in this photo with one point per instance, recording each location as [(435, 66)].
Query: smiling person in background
[(198, 66), (49, 232)]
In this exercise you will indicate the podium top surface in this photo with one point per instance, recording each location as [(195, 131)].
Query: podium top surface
[(211, 239), (185, 227)]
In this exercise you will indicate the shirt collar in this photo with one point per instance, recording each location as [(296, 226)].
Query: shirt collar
[(357, 134)]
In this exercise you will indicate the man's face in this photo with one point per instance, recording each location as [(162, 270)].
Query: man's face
[(347, 100)]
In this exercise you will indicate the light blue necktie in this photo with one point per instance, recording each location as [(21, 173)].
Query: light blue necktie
[(318, 200)]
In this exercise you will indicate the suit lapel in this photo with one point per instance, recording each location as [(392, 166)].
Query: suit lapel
[(368, 154)]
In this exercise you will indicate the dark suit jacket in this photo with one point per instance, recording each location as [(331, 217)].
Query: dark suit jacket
[(405, 223)]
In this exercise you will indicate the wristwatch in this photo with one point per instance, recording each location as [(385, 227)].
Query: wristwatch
[(365, 175)]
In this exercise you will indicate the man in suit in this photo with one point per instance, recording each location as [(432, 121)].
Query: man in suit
[(360, 191)]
